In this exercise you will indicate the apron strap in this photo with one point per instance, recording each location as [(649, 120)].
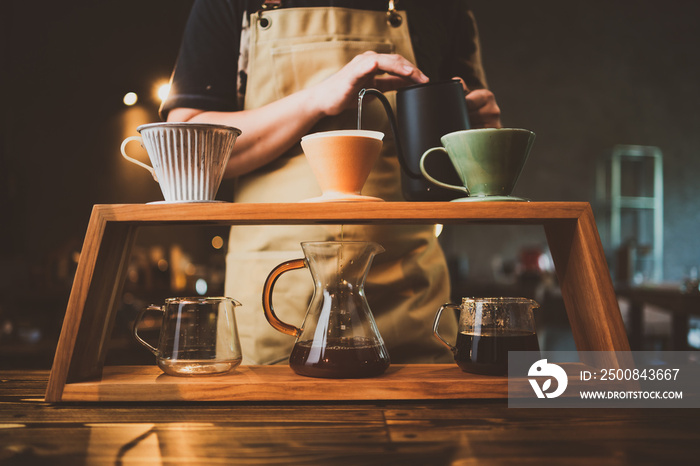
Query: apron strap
[(392, 16)]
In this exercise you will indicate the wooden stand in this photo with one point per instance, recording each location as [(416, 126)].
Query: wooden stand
[(77, 372)]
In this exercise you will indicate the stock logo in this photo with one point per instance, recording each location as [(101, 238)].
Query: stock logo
[(542, 368)]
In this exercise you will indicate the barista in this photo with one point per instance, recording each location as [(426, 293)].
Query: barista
[(281, 73)]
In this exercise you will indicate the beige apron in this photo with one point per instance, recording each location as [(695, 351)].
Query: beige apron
[(289, 51)]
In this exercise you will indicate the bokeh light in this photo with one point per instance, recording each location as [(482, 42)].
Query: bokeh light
[(201, 286), (163, 91), (130, 98), (217, 242)]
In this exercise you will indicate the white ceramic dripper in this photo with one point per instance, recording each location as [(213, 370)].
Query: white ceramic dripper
[(188, 159)]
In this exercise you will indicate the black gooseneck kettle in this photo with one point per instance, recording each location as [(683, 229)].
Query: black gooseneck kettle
[(425, 113)]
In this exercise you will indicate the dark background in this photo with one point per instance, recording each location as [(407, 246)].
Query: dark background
[(585, 76)]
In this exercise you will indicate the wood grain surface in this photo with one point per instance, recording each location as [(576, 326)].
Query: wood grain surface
[(439, 432), (280, 383), (350, 212)]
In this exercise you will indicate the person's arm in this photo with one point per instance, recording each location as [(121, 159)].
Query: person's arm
[(484, 112), (268, 131)]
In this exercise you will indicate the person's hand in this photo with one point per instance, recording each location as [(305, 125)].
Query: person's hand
[(483, 109), (384, 72)]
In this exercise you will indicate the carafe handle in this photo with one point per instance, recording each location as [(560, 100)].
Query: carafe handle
[(433, 180), (395, 130), (437, 323), (135, 328), (267, 296)]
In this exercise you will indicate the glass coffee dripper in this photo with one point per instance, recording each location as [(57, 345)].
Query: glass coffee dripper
[(338, 338)]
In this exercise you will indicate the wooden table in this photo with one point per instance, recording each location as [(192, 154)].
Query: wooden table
[(442, 432), (679, 304)]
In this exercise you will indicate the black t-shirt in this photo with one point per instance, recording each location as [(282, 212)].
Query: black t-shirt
[(443, 36)]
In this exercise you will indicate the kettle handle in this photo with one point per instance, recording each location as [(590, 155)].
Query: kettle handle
[(462, 189), (394, 129), (437, 323), (267, 296)]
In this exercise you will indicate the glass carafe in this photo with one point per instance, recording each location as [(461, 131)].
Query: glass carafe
[(338, 338), (488, 329)]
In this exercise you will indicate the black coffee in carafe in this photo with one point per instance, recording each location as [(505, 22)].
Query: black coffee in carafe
[(340, 358), (487, 353)]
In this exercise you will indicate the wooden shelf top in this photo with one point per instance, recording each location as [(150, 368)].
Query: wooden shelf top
[(280, 383), (340, 212)]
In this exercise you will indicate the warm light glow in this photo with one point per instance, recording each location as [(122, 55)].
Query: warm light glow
[(163, 91), (162, 265), (544, 262), (130, 98), (201, 286), (217, 242)]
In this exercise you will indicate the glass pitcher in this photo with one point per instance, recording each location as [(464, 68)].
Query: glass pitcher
[(198, 336), (338, 338), (488, 329)]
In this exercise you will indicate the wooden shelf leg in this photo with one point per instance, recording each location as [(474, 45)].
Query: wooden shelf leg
[(91, 307), (586, 286)]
